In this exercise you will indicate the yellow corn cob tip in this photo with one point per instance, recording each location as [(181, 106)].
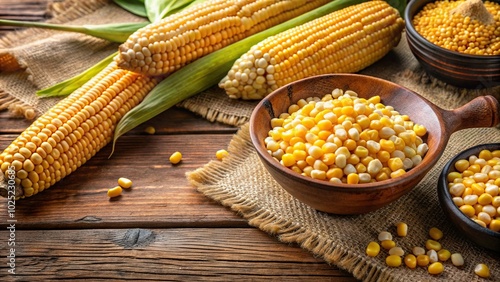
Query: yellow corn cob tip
[(347, 40), (165, 46)]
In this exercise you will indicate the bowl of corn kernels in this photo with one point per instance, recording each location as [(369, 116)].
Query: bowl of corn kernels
[(350, 143), (468, 191), (457, 42)]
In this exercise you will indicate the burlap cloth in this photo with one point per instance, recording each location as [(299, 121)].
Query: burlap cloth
[(240, 182)]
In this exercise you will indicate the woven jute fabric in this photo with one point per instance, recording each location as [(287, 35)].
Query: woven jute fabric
[(240, 181)]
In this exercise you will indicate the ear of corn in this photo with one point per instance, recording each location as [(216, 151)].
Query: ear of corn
[(72, 131), (166, 45), (347, 41)]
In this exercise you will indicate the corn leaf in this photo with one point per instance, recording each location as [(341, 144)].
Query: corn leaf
[(116, 32), (158, 9), (135, 7), (208, 71), (68, 86)]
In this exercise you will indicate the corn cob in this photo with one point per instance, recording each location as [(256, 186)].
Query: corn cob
[(165, 46), (347, 40), (72, 131)]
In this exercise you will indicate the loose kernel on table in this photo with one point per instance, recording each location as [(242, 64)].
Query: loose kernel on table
[(410, 261), (124, 182), (393, 261), (344, 138), (444, 255), (388, 244), (175, 158), (435, 233), (457, 259), (402, 229), (150, 130), (422, 260)]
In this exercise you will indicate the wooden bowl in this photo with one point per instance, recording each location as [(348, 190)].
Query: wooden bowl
[(458, 69), (475, 232), (362, 198)]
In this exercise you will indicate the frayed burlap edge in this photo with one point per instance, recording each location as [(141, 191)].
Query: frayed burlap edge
[(61, 12), (284, 230)]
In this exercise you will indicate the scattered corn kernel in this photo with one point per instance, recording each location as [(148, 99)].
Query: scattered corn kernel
[(433, 256), (396, 251), (457, 259), (418, 251), (482, 270), (220, 154), (435, 268), (475, 191), (393, 261), (373, 249), (384, 235), (334, 133), (443, 23), (435, 233), (150, 130), (124, 182), (402, 229), (422, 260), (410, 261), (388, 244), (115, 192), (175, 158)]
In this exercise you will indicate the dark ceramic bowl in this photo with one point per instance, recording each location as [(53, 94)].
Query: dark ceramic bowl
[(361, 198), (482, 236), (462, 70)]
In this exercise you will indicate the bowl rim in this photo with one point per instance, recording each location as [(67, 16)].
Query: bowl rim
[(415, 6), (418, 172), (446, 196)]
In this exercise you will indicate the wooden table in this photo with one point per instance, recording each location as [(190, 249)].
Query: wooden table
[(161, 229)]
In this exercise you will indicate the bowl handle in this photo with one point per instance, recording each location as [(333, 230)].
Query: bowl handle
[(483, 111)]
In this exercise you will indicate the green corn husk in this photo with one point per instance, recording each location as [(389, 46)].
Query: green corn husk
[(135, 7), (116, 32), (208, 71), (68, 86)]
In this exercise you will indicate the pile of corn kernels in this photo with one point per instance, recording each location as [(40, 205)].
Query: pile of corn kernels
[(343, 138)]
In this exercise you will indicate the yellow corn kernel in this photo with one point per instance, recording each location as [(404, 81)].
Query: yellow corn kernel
[(150, 130), (432, 245), (402, 229), (115, 192), (352, 178), (468, 210), (444, 255), (373, 249), (327, 36), (397, 173), (422, 260), (482, 270), (435, 233), (420, 130), (410, 261), (124, 182), (494, 225), (388, 244), (393, 261), (221, 154), (435, 268), (288, 160), (176, 40), (175, 158)]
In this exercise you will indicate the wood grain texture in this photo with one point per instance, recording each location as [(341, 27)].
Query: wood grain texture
[(181, 254)]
